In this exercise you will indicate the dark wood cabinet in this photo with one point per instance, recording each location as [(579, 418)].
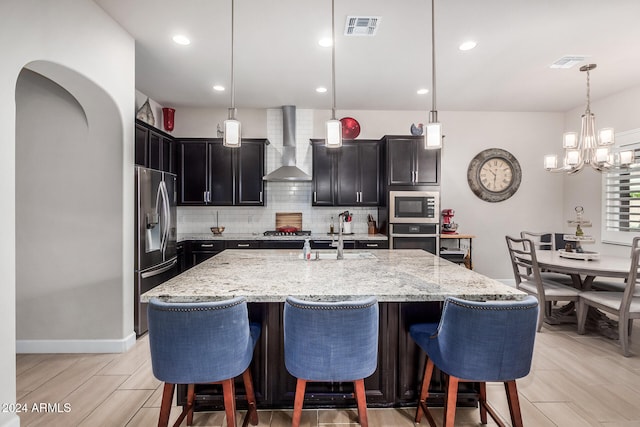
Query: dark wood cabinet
[(372, 244), (347, 176), (323, 174), (409, 163), (210, 174), (201, 250), (154, 149)]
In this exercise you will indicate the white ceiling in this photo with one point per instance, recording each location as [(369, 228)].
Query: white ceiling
[(278, 60)]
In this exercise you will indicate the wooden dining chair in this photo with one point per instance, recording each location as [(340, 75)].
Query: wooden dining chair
[(546, 241), (612, 284), (528, 278), (625, 305)]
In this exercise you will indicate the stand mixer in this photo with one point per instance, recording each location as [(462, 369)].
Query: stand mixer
[(448, 226)]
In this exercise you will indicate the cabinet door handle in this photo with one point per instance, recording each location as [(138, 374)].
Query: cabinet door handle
[(204, 196), (243, 245), (206, 245), (315, 198), (261, 197)]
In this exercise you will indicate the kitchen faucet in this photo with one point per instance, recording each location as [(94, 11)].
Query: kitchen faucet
[(340, 245)]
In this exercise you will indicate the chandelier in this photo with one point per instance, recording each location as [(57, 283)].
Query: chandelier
[(589, 148)]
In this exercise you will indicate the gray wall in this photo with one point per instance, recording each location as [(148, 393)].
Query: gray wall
[(68, 206)]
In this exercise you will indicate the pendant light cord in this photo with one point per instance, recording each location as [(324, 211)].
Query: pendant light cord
[(333, 62), (233, 86), (433, 61)]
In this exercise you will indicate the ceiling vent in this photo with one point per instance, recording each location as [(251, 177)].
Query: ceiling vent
[(361, 25), (568, 61)]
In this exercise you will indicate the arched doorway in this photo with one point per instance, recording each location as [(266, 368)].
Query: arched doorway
[(70, 280)]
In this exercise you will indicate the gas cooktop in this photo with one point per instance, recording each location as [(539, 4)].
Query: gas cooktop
[(287, 233)]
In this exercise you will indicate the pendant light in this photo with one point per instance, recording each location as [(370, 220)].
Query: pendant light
[(333, 126), (232, 127), (433, 134)]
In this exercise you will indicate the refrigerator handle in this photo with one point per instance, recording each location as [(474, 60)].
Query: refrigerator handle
[(166, 220), (159, 270)]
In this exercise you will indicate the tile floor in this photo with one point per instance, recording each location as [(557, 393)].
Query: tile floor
[(575, 381)]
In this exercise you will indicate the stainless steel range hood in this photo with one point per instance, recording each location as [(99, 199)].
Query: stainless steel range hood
[(288, 171)]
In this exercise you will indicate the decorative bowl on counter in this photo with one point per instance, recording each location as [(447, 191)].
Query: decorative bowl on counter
[(217, 230)]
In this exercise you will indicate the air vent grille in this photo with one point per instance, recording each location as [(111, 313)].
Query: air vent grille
[(361, 25), (568, 61)]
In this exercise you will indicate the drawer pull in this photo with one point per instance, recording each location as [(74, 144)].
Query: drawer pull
[(372, 245), (207, 245), (243, 245)]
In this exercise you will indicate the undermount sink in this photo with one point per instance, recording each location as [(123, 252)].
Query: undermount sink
[(347, 255)]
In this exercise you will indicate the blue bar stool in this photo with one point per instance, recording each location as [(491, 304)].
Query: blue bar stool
[(331, 341), (478, 342), (204, 342)]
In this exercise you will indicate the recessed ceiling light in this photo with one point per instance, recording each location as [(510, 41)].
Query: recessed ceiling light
[(468, 45), (181, 39), (218, 88), (325, 42), (321, 89), (422, 91)]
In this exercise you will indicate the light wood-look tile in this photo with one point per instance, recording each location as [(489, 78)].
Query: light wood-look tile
[(118, 409), (576, 380)]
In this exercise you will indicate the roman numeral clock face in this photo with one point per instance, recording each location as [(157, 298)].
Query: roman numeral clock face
[(494, 175)]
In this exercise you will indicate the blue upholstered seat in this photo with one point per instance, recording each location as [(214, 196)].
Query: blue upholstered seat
[(331, 341), (207, 342), (480, 342)]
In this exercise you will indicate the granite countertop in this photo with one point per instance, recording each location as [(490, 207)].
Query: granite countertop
[(267, 275), (261, 236)]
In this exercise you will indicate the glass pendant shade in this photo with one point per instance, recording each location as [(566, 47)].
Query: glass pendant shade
[(569, 140), (232, 133), (333, 129), (550, 161), (433, 136)]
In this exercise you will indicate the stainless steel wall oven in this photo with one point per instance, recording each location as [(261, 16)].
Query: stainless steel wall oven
[(414, 220)]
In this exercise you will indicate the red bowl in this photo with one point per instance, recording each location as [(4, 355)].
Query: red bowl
[(350, 128)]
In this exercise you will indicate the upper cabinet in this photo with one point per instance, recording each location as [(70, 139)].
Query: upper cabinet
[(154, 149), (347, 176), (409, 163), (210, 174)]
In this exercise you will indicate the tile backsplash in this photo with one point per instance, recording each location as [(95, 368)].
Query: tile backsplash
[(280, 196)]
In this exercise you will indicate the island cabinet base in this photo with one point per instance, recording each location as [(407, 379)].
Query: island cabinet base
[(396, 381)]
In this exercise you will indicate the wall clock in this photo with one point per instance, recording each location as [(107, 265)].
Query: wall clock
[(494, 175)]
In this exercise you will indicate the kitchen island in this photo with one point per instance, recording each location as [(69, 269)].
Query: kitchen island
[(409, 284)]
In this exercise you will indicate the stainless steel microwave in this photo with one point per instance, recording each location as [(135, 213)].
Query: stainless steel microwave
[(414, 207)]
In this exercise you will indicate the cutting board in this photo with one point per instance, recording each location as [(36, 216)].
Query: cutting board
[(289, 219)]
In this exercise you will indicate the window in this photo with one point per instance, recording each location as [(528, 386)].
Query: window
[(621, 195)]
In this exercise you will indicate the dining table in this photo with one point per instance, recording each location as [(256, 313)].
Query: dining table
[(583, 273)]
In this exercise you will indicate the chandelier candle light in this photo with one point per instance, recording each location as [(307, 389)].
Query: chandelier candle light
[(587, 148), (232, 127), (333, 126)]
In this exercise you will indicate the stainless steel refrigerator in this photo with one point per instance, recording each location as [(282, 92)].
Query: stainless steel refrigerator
[(155, 245)]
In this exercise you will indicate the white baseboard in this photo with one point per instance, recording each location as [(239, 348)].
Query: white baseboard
[(9, 420), (76, 346)]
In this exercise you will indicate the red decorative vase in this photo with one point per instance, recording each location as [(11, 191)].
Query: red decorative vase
[(167, 116)]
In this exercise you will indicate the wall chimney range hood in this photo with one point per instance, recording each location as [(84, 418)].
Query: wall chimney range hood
[(288, 171)]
